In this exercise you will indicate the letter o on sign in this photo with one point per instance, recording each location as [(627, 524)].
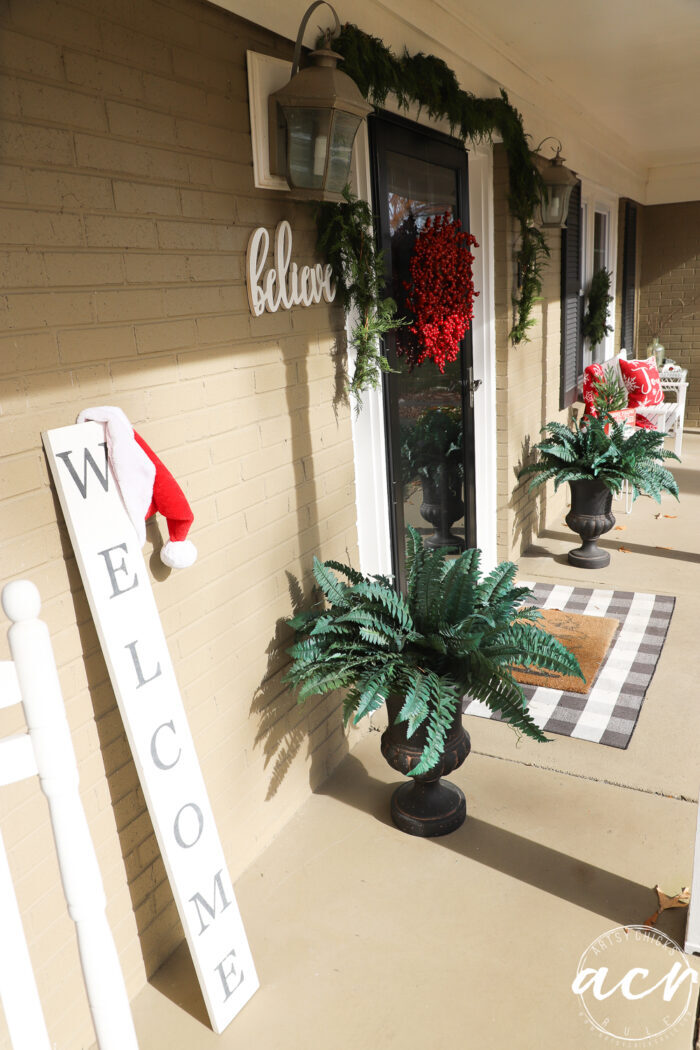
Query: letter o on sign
[(188, 829)]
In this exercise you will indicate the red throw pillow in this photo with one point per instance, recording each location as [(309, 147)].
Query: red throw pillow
[(592, 374), (642, 381)]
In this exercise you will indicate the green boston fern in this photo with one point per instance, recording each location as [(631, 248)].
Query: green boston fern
[(453, 633), (588, 453)]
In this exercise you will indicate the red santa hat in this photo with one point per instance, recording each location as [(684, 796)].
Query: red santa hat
[(145, 485)]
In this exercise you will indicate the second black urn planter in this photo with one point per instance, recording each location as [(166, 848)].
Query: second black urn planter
[(443, 505), (426, 805), (590, 516)]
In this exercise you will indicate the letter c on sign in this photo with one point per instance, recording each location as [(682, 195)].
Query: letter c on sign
[(200, 826), (157, 760)]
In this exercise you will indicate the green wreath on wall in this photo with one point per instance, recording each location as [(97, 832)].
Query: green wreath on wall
[(345, 233), (594, 324)]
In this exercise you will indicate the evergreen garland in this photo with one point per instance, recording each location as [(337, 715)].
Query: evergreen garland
[(595, 320), (429, 82), (346, 239)]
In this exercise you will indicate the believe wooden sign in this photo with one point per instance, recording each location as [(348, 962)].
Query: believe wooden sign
[(284, 284), (129, 628)]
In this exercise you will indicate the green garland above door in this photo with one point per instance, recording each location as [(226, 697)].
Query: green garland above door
[(428, 82)]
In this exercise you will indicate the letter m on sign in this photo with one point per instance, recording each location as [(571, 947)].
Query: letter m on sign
[(200, 903)]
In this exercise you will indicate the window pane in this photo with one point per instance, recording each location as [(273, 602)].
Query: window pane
[(429, 402), (307, 140), (345, 126), (600, 241)]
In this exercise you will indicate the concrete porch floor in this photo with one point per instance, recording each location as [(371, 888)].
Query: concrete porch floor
[(368, 938)]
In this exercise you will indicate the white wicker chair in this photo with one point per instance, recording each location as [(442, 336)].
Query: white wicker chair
[(46, 750)]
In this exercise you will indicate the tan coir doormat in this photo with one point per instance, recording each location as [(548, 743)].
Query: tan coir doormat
[(587, 637)]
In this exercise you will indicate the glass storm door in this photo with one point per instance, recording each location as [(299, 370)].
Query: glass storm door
[(419, 174)]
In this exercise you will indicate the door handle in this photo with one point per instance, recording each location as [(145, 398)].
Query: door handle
[(472, 385)]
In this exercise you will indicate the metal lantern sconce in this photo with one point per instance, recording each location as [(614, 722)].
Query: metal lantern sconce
[(558, 184), (313, 121)]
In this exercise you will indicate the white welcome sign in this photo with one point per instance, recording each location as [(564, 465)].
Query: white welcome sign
[(284, 284), (128, 624)]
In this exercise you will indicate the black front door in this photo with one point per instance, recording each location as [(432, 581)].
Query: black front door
[(419, 175)]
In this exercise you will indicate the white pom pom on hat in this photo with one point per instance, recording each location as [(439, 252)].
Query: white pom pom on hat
[(146, 485)]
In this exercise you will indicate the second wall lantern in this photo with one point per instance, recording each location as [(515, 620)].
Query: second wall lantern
[(558, 184), (313, 122)]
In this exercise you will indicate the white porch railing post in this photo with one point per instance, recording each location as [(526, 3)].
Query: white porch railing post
[(44, 712), (18, 992)]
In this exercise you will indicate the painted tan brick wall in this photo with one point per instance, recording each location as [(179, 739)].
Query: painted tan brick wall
[(126, 202), (669, 297), (527, 380)]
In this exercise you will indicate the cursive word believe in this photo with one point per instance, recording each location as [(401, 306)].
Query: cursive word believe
[(284, 284)]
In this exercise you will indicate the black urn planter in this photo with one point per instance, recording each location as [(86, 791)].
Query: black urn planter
[(426, 805), (443, 505), (590, 516)]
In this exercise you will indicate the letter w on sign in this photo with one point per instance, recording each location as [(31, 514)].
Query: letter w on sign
[(123, 607)]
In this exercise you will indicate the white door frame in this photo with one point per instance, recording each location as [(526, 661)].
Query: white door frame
[(595, 198), (369, 439)]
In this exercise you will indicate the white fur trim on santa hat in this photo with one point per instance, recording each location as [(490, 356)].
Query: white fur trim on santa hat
[(132, 469), (178, 554)]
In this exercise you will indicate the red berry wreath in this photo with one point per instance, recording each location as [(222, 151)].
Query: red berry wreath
[(440, 293)]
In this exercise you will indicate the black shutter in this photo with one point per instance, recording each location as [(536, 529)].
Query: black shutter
[(629, 274), (571, 302)]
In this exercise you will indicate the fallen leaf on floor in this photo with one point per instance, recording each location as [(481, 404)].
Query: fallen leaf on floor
[(681, 900), (620, 528), (670, 515), (625, 550), (657, 516), (660, 548)]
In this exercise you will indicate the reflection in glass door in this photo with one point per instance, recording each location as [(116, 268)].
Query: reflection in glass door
[(419, 176)]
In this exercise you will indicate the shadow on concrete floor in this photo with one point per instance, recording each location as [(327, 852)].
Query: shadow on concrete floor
[(178, 982), (612, 545), (578, 882)]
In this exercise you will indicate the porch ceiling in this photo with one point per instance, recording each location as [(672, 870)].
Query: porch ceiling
[(633, 66), (624, 74)]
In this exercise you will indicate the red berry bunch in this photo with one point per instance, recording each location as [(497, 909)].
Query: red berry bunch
[(441, 293)]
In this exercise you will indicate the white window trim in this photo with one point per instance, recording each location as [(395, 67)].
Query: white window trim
[(595, 198), (371, 481)]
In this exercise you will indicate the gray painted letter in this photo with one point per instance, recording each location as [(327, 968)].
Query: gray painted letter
[(200, 902), (114, 569), (131, 646), (176, 826), (231, 972), (82, 485), (157, 760)]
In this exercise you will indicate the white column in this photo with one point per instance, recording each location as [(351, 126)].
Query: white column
[(44, 712)]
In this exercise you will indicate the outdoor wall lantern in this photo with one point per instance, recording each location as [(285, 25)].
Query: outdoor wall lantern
[(313, 121), (558, 184)]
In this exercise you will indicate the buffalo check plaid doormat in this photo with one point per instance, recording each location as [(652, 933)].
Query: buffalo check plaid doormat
[(608, 712)]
